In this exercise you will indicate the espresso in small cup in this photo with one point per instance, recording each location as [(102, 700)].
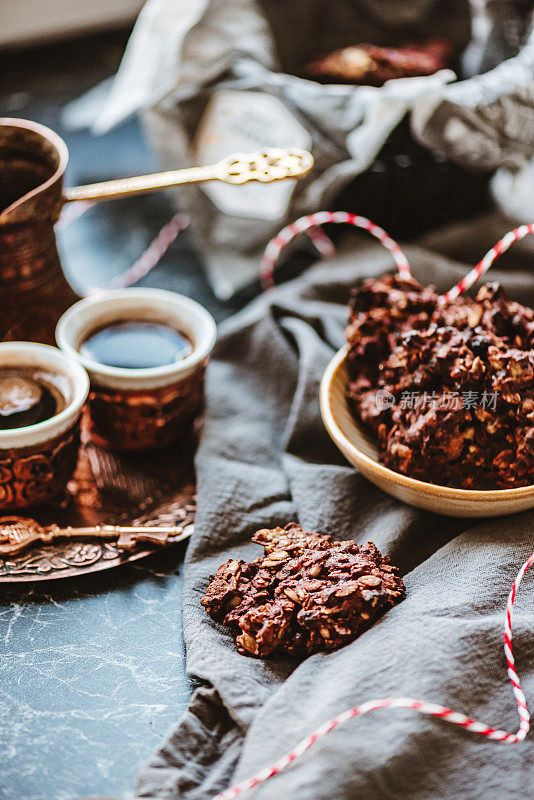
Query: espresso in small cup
[(29, 396), (42, 392), (146, 352), (136, 345)]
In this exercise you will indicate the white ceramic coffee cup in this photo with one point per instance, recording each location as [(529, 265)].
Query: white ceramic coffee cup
[(141, 408), (36, 461)]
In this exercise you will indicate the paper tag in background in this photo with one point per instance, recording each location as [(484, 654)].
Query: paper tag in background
[(244, 122)]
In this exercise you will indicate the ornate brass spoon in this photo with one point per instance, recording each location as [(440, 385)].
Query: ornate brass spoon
[(17, 533), (33, 159), (271, 164)]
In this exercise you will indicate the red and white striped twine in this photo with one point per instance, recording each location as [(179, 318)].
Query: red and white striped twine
[(311, 222), (72, 212), (276, 245), (432, 709), (152, 255), (483, 265), (147, 261), (323, 243)]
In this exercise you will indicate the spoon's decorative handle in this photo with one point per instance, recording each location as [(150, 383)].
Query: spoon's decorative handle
[(271, 164), (17, 533)]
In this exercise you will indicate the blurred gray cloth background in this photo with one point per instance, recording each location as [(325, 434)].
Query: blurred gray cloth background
[(265, 459), (184, 54)]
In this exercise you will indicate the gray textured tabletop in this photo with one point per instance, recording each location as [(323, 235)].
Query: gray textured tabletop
[(92, 669)]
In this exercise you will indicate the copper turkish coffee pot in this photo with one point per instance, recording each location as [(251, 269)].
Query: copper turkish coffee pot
[(33, 159)]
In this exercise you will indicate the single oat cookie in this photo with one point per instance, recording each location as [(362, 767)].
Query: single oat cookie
[(306, 594)]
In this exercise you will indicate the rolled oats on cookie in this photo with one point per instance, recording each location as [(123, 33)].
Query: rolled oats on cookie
[(459, 380), (306, 594)]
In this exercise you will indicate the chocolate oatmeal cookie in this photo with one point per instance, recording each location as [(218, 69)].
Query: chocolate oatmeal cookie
[(306, 594), (371, 65), (459, 380)]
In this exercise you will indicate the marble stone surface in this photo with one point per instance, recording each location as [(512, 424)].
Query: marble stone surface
[(92, 669), (92, 676)]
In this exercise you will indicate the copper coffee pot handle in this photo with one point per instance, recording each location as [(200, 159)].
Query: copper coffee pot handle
[(269, 165)]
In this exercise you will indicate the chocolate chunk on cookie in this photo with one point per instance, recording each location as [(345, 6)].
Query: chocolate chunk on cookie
[(306, 594)]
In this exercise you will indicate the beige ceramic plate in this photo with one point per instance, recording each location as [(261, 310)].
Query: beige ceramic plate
[(359, 448)]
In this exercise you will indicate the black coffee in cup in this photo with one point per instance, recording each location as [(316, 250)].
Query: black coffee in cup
[(136, 345), (29, 396)]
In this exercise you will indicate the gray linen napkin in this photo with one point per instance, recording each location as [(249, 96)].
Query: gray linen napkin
[(265, 459)]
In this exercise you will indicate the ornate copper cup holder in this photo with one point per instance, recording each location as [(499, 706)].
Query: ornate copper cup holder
[(87, 504), (153, 489)]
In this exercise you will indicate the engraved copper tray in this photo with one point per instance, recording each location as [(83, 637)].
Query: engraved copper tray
[(157, 488)]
